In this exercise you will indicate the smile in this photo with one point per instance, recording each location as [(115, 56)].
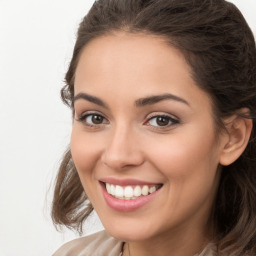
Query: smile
[(129, 195), (130, 192)]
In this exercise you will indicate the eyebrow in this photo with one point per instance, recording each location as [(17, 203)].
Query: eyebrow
[(157, 98), (138, 103), (90, 98)]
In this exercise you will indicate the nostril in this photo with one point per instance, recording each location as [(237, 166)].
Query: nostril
[(121, 161)]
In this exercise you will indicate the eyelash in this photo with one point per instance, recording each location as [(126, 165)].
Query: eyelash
[(83, 118), (172, 121)]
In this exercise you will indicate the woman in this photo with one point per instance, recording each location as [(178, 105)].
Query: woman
[(163, 94)]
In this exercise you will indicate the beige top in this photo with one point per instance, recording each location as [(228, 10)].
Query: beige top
[(101, 244)]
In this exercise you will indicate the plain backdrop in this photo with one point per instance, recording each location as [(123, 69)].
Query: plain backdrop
[(36, 43)]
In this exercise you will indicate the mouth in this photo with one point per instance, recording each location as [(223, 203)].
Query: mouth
[(130, 192)]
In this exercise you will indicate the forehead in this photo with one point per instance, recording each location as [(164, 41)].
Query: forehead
[(135, 65), (126, 47), (136, 55)]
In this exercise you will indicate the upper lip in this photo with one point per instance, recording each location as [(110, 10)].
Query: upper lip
[(126, 182)]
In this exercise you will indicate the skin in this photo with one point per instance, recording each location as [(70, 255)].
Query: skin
[(183, 155)]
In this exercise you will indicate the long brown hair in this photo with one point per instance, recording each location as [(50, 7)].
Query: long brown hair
[(220, 48)]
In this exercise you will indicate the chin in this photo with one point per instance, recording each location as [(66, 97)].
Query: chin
[(129, 232)]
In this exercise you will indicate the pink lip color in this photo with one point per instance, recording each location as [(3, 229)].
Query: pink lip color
[(126, 205)]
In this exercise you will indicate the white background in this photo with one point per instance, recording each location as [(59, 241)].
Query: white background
[(36, 42)]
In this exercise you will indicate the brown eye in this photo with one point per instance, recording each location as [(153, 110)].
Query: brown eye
[(93, 120), (162, 121), (97, 119)]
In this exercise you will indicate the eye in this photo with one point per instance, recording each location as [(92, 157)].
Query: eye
[(93, 119), (162, 121)]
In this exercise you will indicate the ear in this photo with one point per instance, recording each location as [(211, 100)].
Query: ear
[(238, 131)]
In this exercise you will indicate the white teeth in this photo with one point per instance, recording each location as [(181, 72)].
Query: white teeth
[(112, 190), (108, 187), (152, 190), (129, 192), (144, 190), (137, 191), (119, 192)]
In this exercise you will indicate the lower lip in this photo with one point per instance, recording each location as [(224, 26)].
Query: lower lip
[(127, 205)]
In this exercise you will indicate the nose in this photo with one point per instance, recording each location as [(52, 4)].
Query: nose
[(122, 150)]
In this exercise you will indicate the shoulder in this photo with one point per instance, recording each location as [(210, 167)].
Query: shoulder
[(209, 250), (100, 244)]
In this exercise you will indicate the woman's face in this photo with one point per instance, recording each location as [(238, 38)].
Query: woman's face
[(145, 130)]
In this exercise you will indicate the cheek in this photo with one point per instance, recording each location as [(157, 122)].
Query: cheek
[(85, 151), (191, 153), (189, 166)]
